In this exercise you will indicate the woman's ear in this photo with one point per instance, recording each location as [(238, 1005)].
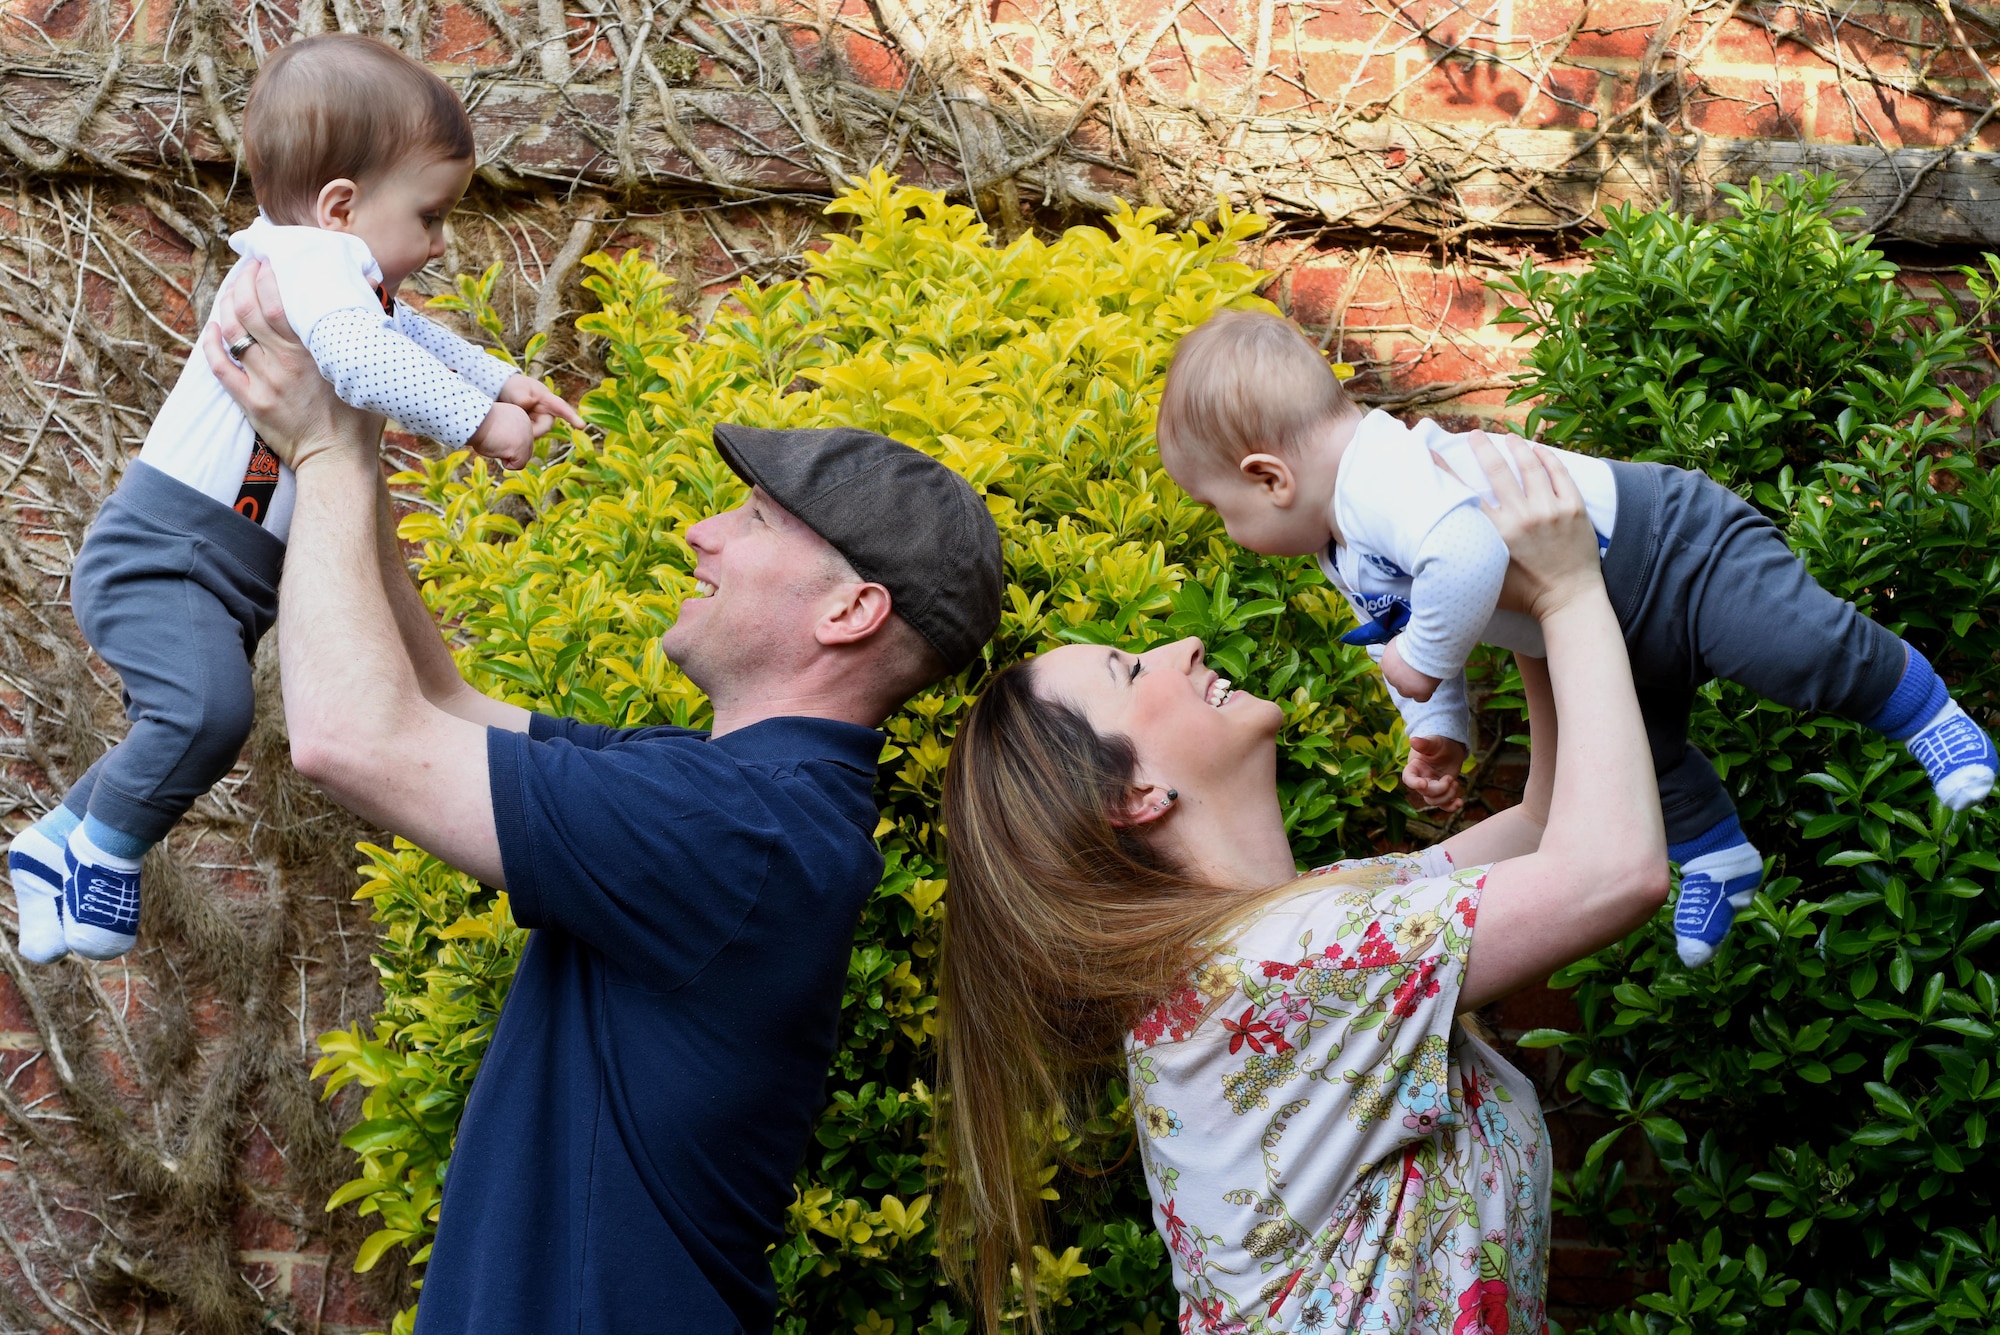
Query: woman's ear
[(333, 211), (1273, 476), (1142, 804)]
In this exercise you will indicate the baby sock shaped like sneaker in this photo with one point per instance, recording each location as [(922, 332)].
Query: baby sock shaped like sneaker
[(101, 891), (35, 861), (1720, 873), (1955, 752)]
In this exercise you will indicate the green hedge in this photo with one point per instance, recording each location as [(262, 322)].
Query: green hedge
[(1817, 1098), (1842, 1045)]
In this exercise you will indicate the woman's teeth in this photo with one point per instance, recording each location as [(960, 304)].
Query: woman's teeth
[(1219, 692), (703, 589)]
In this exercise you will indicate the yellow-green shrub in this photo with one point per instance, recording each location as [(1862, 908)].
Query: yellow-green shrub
[(1034, 369)]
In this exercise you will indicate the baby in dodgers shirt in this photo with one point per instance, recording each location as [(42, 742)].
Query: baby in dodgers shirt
[(356, 154), (1254, 423)]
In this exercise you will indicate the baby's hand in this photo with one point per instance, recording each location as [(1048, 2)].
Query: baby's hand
[(1407, 680), (1432, 775), (506, 436), (543, 408)]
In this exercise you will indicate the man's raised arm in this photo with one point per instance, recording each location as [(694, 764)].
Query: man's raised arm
[(362, 726), (437, 675)]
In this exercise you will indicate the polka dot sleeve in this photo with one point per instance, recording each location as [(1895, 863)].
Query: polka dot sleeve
[(482, 369), (373, 366), (1454, 587)]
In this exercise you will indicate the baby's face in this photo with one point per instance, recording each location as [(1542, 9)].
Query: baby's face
[(400, 213), (1259, 514)]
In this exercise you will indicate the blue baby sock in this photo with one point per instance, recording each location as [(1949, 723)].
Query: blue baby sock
[(101, 891), (35, 864), (1720, 872), (1955, 752)]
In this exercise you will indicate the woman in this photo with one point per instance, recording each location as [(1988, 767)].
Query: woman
[(1326, 1147)]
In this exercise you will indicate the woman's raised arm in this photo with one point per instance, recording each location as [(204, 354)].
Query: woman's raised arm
[(1601, 869)]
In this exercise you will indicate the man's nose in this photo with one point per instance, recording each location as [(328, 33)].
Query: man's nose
[(702, 535)]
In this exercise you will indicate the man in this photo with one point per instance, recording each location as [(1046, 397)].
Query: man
[(627, 1154)]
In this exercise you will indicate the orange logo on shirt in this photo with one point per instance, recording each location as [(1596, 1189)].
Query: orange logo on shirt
[(260, 483)]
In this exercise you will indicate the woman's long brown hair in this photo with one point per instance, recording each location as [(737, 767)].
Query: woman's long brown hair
[(1061, 930)]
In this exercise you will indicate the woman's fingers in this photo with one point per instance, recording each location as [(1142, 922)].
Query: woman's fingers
[(248, 301), (1500, 478), (1560, 482), (271, 302), (227, 372)]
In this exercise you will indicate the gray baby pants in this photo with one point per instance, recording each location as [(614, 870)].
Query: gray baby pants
[(173, 589), (1705, 587)]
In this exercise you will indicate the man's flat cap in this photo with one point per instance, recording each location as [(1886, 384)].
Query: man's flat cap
[(902, 519)]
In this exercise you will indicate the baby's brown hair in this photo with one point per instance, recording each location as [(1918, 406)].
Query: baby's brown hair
[(1246, 382), (343, 106)]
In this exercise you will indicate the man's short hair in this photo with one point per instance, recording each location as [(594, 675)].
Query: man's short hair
[(909, 663), (343, 106), (1247, 382)]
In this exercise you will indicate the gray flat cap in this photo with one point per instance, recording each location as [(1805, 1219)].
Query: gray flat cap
[(902, 519)]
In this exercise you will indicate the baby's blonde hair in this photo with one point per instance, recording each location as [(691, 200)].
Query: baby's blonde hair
[(1247, 382)]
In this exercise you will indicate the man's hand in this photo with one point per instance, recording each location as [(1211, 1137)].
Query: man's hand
[(1432, 776), (507, 436), (532, 397), (1409, 682), (276, 382)]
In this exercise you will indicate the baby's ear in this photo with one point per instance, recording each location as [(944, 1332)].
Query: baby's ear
[(1273, 475), (333, 211)]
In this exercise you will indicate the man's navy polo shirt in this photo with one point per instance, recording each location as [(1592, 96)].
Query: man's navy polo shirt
[(627, 1154)]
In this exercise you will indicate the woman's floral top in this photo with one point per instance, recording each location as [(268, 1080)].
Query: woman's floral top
[(1327, 1148)]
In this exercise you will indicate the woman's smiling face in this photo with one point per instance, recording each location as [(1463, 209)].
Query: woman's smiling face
[(1188, 726)]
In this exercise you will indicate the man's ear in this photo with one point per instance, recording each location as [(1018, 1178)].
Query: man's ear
[(1142, 804), (1273, 475), (857, 612), (333, 211)]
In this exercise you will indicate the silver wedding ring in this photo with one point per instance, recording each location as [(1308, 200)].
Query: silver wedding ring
[(241, 346)]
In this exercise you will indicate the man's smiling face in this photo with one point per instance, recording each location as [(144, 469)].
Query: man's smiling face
[(761, 577)]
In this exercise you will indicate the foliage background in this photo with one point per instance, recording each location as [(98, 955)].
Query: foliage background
[(1819, 1097), (1815, 1113)]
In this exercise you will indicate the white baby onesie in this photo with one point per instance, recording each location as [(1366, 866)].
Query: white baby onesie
[(393, 362), (1419, 560)]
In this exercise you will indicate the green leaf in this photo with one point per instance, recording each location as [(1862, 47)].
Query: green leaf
[(376, 1243)]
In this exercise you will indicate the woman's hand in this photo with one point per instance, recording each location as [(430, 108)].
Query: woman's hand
[(1544, 523), (1599, 868), (276, 383)]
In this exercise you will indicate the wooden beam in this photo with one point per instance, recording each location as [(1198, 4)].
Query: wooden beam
[(1386, 176)]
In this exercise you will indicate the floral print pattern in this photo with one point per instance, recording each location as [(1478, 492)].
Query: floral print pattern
[(1328, 1150)]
